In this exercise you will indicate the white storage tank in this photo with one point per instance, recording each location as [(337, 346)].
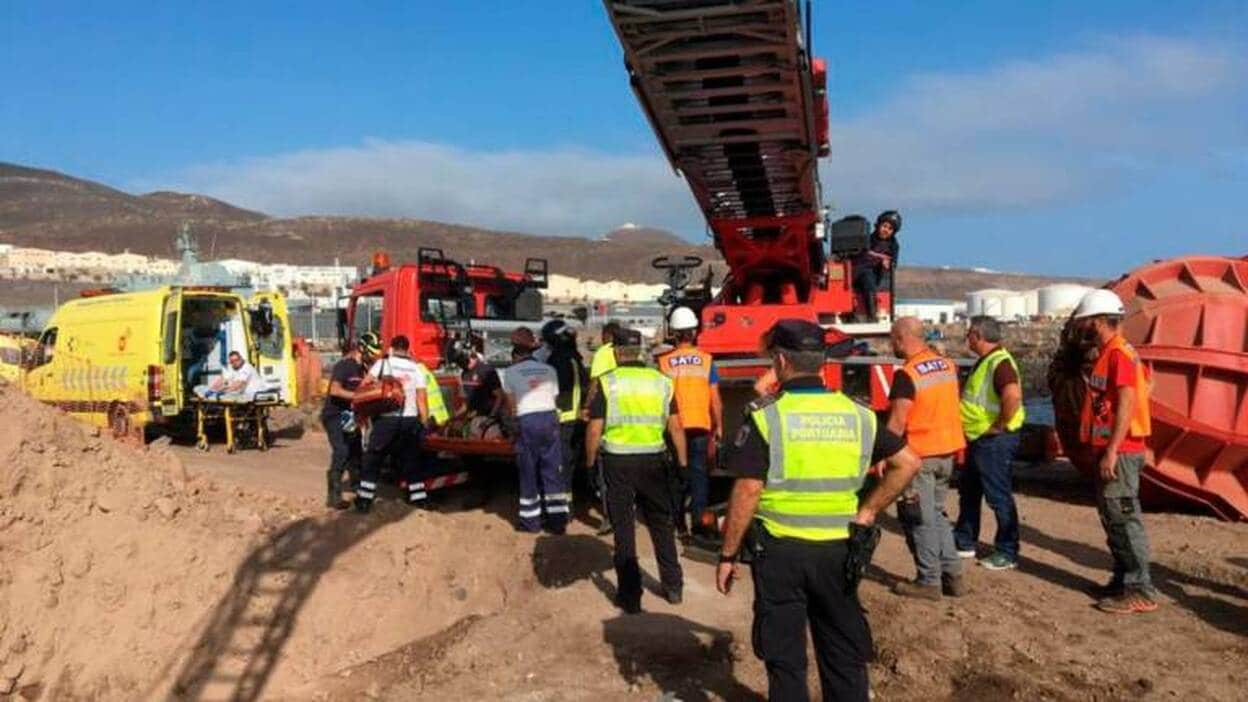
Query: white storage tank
[(1014, 307), (989, 302), (1032, 300), (1060, 299)]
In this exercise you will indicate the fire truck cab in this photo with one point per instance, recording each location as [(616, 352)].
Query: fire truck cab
[(436, 301)]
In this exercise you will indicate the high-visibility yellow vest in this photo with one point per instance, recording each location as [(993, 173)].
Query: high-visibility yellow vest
[(573, 413), (819, 449), (603, 361), (435, 399), (980, 404), (638, 400)]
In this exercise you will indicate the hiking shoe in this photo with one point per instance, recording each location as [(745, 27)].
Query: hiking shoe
[(1129, 602), (673, 595), (954, 585), (998, 561), (910, 588), (1109, 590), (967, 553)]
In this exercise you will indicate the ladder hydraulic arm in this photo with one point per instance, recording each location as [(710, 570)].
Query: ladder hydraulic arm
[(741, 111)]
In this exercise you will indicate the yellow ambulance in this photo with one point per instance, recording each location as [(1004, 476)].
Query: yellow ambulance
[(129, 361)]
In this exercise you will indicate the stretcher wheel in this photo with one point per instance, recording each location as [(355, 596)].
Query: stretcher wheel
[(230, 448), (202, 443)]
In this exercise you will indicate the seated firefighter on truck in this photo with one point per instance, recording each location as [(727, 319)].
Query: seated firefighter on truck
[(874, 268)]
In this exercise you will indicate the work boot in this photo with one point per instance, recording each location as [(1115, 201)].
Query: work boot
[(953, 585), (673, 595), (336, 503), (629, 607), (910, 588), (363, 506)]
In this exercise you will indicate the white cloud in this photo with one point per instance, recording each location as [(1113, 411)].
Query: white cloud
[(1053, 130), (564, 191), (1023, 134)]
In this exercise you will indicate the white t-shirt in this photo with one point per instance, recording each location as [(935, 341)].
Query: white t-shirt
[(246, 373), (411, 374), (534, 386)]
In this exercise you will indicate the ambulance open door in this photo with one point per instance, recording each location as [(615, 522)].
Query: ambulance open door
[(269, 327)]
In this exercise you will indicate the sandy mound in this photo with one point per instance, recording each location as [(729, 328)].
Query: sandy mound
[(122, 579)]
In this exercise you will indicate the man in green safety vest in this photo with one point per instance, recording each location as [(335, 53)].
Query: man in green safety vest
[(801, 460), (992, 414), (630, 411)]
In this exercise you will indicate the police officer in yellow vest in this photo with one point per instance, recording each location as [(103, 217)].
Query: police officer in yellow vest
[(801, 461), (992, 414), (628, 415)]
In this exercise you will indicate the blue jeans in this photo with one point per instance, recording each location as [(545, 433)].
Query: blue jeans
[(989, 476), (698, 487)]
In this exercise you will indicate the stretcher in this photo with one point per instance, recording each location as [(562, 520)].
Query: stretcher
[(244, 420)]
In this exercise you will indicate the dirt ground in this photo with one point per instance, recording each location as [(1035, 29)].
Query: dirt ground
[(124, 577), (550, 633)]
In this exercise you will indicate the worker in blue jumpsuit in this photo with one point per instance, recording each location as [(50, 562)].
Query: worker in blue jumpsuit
[(532, 388)]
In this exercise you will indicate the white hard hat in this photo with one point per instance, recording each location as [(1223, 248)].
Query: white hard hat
[(683, 318), (1098, 302)]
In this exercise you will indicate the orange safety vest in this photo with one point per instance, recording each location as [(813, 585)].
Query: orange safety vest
[(690, 371), (934, 424), (1096, 421)]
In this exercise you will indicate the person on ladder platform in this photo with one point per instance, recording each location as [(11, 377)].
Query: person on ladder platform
[(629, 411), (1115, 422), (801, 459), (696, 383), (923, 407), (396, 435), (531, 387), (560, 338), (873, 267), (992, 413), (339, 421)]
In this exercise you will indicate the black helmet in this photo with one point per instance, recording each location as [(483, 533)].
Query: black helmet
[(552, 329), (892, 216), (556, 331)]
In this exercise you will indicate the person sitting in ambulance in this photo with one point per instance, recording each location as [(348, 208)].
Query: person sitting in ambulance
[(239, 382)]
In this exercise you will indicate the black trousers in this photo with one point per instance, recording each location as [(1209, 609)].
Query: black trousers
[(641, 482), (398, 437), (345, 452), (799, 584)]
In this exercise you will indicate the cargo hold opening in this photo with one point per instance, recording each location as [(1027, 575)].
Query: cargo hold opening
[(212, 327)]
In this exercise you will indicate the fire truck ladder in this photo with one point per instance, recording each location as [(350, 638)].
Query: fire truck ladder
[(727, 87)]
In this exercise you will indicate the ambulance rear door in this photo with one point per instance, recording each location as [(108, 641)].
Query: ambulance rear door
[(268, 323)]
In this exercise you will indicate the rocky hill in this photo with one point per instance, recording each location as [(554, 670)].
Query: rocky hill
[(47, 209)]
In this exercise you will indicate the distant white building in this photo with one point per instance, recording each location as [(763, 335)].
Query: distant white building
[(931, 311)]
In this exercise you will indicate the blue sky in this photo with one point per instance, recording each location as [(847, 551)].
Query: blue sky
[(1063, 137)]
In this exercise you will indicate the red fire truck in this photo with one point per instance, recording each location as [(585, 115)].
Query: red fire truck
[(740, 108), (437, 303)]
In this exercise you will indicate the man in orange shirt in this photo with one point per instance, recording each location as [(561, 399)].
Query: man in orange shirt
[(1115, 423), (696, 384), (924, 407)]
